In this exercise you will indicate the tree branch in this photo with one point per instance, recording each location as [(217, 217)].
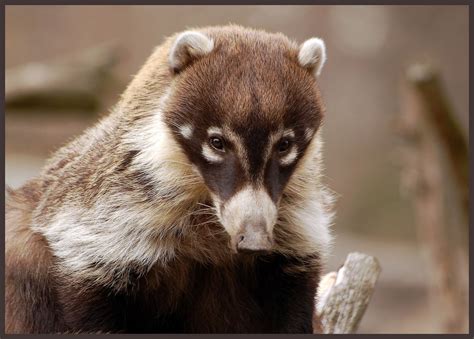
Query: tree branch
[(343, 296)]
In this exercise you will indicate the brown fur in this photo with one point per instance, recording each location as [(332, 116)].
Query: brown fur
[(30, 292), (261, 88), (203, 286)]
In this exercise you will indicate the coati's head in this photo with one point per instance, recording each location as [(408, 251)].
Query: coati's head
[(244, 106)]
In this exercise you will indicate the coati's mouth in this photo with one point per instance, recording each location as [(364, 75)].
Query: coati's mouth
[(254, 253)]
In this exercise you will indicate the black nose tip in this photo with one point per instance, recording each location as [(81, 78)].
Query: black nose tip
[(254, 242)]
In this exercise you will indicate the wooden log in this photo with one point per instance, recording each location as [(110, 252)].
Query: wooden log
[(75, 82), (343, 296)]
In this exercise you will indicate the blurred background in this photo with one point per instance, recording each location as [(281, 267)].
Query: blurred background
[(67, 65)]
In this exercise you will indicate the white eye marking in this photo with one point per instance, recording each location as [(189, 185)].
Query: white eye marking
[(308, 133), (289, 158), (214, 130), (186, 131), (289, 133), (210, 155)]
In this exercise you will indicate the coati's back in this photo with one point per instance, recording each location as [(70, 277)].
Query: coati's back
[(31, 304), (195, 206)]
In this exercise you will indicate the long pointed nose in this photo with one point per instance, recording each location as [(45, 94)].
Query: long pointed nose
[(249, 217), (254, 237)]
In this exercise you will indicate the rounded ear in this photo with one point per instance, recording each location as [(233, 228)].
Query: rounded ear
[(312, 55), (187, 47)]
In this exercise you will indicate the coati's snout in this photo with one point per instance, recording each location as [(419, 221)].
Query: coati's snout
[(249, 217)]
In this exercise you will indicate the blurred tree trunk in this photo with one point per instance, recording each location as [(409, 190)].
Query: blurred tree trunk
[(435, 165)]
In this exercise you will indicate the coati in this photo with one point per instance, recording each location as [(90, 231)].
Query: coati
[(195, 206)]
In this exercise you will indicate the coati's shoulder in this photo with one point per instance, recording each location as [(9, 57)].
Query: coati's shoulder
[(19, 206), (29, 289), (92, 140), (77, 170)]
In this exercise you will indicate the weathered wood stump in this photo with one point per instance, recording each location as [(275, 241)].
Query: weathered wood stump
[(343, 296)]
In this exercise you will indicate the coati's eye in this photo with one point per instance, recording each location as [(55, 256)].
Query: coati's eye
[(217, 143), (284, 145)]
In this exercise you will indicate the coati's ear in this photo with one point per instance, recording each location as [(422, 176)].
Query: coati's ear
[(188, 46), (312, 55)]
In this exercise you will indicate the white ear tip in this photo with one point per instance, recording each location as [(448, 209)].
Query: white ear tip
[(188, 46), (312, 54), (195, 40)]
